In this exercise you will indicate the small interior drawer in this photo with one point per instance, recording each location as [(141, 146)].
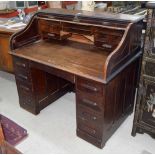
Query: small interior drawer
[(107, 42), (105, 31), (50, 29)]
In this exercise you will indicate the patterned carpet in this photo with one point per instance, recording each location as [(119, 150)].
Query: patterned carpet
[(13, 133)]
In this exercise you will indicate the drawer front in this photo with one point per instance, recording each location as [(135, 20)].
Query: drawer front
[(108, 46), (91, 101), (50, 26), (24, 87), (111, 32), (50, 29), (89, 87), (107, 39), (23, 76), (25, 93), (85, 127), (20, 63), (89, 116), (22, 72)]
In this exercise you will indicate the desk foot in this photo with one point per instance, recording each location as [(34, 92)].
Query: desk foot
[(97, 142)]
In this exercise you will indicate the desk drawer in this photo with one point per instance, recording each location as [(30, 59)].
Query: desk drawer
[(89, 129), (25, 94), (21, 67), (110, 32), (50, 26), (89, 116), (24, 87), (21, 64), (23, 76), (89, 87), (106, 41), (91, 101), (50, 29)]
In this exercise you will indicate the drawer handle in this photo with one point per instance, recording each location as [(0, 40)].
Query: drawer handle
[(27, 103), (51, 35), (25, 88), (94, 118), (23, 76), (83, 119), (106, 46), (21, 64), (89, 116), (89, 102), (90, 87)]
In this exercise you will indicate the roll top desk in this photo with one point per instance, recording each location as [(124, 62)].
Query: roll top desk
[(96, 55)]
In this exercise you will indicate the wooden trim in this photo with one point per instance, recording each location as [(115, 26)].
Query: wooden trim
[(1, 135)]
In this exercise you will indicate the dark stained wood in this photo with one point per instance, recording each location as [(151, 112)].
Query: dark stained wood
[(65, 57), (99, 61)]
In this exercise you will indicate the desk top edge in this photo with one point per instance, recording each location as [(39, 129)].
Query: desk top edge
[(92, 15)]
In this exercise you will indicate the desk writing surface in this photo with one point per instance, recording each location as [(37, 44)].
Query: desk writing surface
[(77, 58)]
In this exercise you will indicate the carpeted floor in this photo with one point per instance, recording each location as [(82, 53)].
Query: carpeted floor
[(54, 129)]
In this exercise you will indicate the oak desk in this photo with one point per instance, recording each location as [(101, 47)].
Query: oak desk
[(93, 54)]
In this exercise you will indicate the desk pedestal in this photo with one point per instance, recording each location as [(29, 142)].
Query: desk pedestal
[(100, 108)]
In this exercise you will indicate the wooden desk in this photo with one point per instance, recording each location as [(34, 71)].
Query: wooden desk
[(95, 55)]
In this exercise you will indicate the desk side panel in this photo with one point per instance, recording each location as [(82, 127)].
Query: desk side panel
[(26, 36), (126, 51), (120, 96)]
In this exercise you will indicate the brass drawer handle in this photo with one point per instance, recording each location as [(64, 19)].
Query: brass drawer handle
[(21, 64), (22, 76), (89, 102), (90, 87), (24, 87)]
